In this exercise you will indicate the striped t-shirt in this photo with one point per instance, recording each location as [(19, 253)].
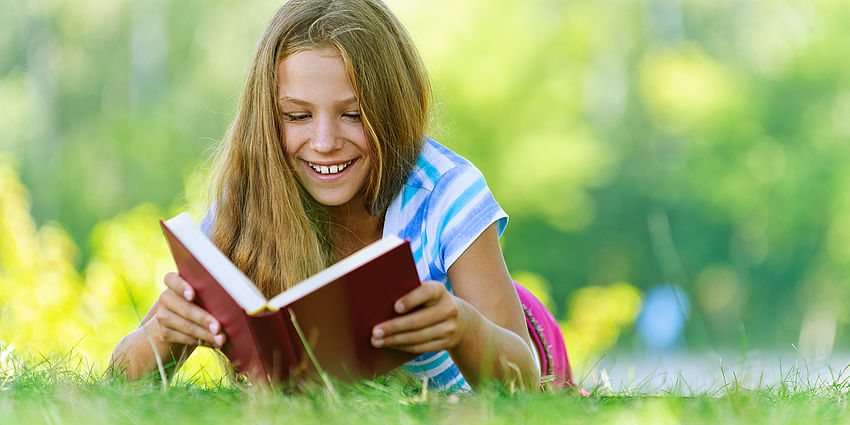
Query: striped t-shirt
[(442, 208)]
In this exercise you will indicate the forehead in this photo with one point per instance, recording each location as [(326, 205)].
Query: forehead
[(313, 70)]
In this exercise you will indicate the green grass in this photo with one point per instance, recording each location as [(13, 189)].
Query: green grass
[(62, 391)]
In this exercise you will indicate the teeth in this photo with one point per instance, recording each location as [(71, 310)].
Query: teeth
[(333, 169)]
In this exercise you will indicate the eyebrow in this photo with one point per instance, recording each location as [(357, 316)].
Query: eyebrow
[(346, 101)]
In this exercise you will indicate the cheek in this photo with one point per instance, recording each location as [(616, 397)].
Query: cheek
[(357, 134), (289, 149), (289, 139)]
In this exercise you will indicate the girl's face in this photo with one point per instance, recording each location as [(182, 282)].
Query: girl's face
[(322, 133)]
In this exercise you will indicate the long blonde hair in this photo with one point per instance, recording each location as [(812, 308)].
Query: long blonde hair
[(265, 221)]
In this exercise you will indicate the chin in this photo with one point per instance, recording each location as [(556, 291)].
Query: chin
[(332, 201), (331, 204)]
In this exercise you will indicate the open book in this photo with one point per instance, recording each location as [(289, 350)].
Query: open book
[(335, 309)]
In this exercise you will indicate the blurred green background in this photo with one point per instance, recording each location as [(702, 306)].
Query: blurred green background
[(699, 144)]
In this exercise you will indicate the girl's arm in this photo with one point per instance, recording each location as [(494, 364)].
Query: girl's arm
[(481, 325), (171, 329)]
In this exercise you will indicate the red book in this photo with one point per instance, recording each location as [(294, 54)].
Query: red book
[(335, 309)]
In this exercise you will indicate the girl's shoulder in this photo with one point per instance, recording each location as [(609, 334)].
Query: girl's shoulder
[(445, 205), (440, 168), (445, 188)]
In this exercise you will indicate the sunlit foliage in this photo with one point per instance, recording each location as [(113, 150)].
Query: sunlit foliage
[(47, 307), (39, 286)]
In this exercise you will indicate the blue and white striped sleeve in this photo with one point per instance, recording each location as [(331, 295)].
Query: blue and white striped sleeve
[(460, 209)]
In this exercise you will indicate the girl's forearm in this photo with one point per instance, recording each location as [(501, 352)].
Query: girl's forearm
[(488, 351), (135, 356), (132, 358)]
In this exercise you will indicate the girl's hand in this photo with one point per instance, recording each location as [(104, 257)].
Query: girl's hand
[(432, 320), (175, 319)]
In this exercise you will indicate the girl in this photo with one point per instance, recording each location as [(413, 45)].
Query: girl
[(327, 154)]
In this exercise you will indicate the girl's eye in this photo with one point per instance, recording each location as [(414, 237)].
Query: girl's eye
[(295, 117), (353, 116)]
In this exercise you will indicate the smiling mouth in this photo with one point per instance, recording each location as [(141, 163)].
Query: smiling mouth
[(329, 169)]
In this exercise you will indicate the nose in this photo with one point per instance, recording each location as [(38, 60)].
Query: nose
[(326, 135)]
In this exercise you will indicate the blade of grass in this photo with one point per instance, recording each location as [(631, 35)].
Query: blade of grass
[(325, 379)]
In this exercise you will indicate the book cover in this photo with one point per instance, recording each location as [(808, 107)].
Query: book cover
[(336, 309)]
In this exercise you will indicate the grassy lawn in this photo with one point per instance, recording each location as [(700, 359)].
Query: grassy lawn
[(56, 393)]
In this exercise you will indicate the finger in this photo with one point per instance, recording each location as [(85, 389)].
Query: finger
[(175, 337), (418, 319), (173, 322), (441, 331), (190, 311), (178, 307), (219, 339), (158, 329), (428, 291), (176, 283)]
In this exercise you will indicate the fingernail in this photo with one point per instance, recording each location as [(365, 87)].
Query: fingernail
[(399, 307), (219, 340), (214, 327), (377, 342), (187, 294), (378, 332)]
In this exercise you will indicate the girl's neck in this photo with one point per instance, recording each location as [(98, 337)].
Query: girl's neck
[(354, 228)]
